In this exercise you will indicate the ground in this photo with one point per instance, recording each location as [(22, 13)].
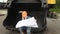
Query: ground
[(53, 25)]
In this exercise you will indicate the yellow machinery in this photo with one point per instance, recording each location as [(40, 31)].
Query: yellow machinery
[(51, 1), (51, 4)]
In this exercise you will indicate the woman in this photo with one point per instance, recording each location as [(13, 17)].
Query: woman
[(21, 29)]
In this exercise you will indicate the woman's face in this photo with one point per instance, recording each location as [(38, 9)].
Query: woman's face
[(24, 13)]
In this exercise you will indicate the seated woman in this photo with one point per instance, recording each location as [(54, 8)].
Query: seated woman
[(25, 16)]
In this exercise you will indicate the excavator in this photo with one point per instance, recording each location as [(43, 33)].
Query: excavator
[(36, 8), (51, 4)]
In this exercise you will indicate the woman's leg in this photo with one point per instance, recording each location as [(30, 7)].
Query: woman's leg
[(21, 30), (28, 30)]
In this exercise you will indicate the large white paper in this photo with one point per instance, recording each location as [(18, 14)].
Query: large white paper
[(31, 22)]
